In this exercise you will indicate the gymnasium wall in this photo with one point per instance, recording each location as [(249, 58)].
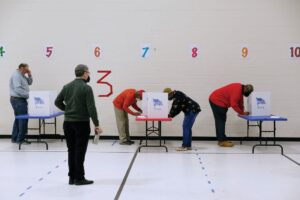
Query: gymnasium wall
[(194, 46)]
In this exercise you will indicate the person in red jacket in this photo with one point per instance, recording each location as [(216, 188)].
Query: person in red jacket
[(223, 98), (122, 103)]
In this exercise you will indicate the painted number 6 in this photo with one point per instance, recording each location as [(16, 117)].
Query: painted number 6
[(97, 52)]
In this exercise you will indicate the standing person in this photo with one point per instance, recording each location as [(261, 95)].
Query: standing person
[(190, 108), (223, 98), (19, 93), (122, 102), (77, 100)]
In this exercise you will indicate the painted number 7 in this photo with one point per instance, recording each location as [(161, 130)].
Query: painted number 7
[(100, 81), (145, 49)]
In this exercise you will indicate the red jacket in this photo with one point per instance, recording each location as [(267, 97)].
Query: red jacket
[(126, 99), (229, 96)]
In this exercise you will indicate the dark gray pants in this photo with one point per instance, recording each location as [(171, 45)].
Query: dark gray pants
[(220, 120), (77, 137)]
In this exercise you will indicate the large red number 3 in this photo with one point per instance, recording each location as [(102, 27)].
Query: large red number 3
[(100, 81)]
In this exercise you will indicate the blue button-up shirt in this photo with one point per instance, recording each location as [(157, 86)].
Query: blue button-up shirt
[(19, 85)]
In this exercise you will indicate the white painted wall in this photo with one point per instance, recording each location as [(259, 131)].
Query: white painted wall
[(221, 28)]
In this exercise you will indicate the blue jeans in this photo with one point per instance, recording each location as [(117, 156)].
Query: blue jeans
[(188, 122), (20, 127)]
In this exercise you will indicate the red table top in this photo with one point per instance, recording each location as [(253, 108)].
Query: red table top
[(143, 118)]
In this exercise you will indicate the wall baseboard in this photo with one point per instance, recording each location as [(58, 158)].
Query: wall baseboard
[(201, 138)]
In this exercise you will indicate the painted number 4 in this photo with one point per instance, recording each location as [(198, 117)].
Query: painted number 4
[(1, 51)]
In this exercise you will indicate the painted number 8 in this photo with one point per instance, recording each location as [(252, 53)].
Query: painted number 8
[(244, 52), (194, 52)]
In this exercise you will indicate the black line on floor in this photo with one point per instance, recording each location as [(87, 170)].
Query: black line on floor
[(291, 159), (126, 175), (206, 175), (39, 180)]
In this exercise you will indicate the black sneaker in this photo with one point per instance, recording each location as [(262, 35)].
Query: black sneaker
[(71, 181), (126, 143), (83, 182), (131, 142), (25, 142)]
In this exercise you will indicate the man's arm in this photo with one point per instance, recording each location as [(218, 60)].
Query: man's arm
[(90, 102), (59, 101), (175, 109), (135, 106), (237, 104)]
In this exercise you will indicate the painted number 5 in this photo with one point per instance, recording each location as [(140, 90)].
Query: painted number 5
[(49, 51)]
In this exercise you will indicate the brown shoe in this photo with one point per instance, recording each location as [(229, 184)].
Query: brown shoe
[(225, 143), (181, 149)]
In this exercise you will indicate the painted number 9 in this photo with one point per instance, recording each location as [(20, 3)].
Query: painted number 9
[(244, 52)]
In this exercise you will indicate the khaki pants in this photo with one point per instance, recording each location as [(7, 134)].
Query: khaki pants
[(122, 124)]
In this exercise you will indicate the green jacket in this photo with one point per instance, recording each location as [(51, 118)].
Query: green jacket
[(77, 100)]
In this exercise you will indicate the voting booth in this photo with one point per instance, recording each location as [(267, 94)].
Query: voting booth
[(41, 103), (259, 104), (155, 105)]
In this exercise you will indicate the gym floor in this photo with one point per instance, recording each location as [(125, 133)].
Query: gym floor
[(207, 172)]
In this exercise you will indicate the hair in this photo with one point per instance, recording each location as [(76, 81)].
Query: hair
[(23, 65), (80, 69)]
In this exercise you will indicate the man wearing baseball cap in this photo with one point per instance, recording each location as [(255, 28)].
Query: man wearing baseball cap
[(190, 108), (122, 103)]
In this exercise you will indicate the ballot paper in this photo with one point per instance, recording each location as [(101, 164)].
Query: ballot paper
[(96, 138), (274, 117)]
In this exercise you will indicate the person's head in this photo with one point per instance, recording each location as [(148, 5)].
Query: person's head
[(248, 89), (23, 68), (82, 71), (139, 94), (170, 93)]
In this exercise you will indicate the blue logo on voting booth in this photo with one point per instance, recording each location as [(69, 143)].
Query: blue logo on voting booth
[(260, 102), (157, 104), (38, 101)]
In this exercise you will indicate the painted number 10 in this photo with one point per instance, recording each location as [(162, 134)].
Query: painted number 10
[(295, 52)]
